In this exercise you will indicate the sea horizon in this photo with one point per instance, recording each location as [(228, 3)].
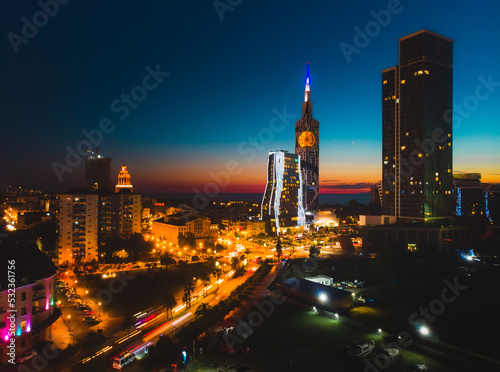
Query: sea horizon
[(363, 198)]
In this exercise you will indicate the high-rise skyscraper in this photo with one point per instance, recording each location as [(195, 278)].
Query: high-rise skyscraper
[(78, 228), (97, 172), (282, 203), (307, 146), (417, 128)]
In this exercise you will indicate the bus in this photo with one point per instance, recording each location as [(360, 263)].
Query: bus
[(123, 359)]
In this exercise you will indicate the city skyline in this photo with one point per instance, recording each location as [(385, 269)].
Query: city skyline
[(209, 93)]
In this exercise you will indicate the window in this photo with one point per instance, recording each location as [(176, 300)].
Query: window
[(23, 311), (23, 326), (23, 343), (23, 296), (403, 81), (385, 82)]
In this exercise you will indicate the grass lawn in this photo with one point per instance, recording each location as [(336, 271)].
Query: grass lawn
[(295, 339), (141, 289)]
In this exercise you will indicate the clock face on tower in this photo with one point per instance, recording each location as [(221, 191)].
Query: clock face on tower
[(306, 139)]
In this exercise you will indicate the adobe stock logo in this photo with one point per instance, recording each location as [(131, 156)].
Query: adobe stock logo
[(363, 38), (30, 28)]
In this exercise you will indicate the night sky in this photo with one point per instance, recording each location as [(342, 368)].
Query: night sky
[(225, 78)]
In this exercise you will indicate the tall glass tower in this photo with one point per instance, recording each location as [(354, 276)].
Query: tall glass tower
[(307, 146), (282, 203), (417, 129)]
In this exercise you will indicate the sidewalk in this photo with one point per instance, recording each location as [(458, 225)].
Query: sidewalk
[(61, 337)]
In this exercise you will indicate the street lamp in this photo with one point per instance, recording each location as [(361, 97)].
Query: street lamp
[(99, 304), (87, 296), (424, 331)]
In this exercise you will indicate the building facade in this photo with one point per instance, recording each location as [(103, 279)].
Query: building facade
[(307, 146), (474, 198), (78, 228), (417, 129), (282, 204), (97, 172), (35, 309), (124, 180), (126, 215), (168, 228)]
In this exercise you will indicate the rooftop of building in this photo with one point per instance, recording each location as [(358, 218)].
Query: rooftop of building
[(30, 263), (179, 219)]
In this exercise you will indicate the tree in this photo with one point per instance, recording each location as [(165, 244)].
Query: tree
[(188, 289), (169, 302), (235, 261), (167, 259), (205, 279), (186, 239), (128, 322), (279, 251), (203, 309), (94, 339), (219, 247), (217, 273), (314, 251), (247, 252)]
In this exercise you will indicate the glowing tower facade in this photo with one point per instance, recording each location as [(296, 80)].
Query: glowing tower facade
[(124, 180), (307, 147), (282, 203)]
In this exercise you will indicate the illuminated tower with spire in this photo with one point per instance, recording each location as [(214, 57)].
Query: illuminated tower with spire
[(307, 146), (124, 180)]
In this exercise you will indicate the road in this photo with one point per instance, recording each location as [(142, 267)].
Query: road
[(121, 340)]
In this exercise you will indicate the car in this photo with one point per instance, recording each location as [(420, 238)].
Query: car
[(365, 299), (416, 367), (87, 312), (91, 320), (389, 354), (27, 356)]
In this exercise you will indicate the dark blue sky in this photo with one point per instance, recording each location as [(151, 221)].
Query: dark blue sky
[(227, 79)]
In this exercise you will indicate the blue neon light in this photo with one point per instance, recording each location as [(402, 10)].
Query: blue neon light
[(486, 207), (459, 202)]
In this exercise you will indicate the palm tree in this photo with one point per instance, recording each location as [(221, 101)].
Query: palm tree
[(188, 289), (203, 309), (217, 273), (278, 249), (205, 279), (235, 261), (247, 252), (128, 322), (168, 301)]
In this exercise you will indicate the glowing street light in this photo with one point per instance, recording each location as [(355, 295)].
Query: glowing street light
[(424, 331), (323, 297)]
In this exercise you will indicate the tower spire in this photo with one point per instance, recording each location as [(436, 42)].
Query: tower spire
[(307, 92), (307, 104)]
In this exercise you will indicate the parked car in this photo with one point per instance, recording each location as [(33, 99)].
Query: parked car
[(365, 299), (91, 320), (390, 354), (27, 356), (361, 349), (416, 367), (87, 312)]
